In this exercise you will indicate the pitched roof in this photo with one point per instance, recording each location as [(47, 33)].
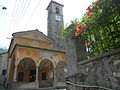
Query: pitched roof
[(24, 34), (55, 3)]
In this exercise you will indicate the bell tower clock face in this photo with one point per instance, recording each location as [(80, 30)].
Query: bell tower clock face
[(58, 18)]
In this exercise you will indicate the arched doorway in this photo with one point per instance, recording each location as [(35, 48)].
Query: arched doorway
[(26, 71), (45, 75)]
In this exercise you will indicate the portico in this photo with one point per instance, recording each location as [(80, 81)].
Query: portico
[(33, 64)]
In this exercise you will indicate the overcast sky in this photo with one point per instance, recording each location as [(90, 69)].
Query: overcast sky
[(23, 15)]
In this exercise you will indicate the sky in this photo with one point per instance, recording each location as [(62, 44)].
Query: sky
[(23, 15)]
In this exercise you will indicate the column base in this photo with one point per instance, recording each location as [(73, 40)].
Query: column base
[(14, 80), (36, 81)]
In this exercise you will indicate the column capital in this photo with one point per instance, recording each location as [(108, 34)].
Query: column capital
[(37, 66)]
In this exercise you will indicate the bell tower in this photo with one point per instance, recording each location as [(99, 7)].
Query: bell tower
[(55, 24)]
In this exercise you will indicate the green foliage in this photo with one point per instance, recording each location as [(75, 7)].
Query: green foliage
[(103, 31), (67, 32)]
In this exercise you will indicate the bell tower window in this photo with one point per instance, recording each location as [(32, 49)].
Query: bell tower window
[(57, 10), (50, 11)]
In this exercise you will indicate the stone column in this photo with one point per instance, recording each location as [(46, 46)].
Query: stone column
[(36, 74), (15, 74)]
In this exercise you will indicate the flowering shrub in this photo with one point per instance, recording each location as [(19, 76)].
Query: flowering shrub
[(100, 26), (80, 29)]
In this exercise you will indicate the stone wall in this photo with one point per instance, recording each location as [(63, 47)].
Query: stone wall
[(102, 71), (3, 66), (3, 62), (22, 86), (75, 51)]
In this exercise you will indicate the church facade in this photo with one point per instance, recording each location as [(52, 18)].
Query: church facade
[(33, 56)]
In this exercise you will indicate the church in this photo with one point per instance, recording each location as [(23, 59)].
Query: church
[(32, 56)]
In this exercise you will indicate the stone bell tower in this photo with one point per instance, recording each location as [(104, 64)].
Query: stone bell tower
[(55, 24)]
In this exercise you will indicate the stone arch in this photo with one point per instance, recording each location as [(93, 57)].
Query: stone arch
[(44, 59), (26, 62), (26, 70), (45, 73), (20, 59)]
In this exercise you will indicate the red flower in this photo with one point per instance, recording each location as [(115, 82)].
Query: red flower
[(90, 18), (97, 4), (89, 9), (87, 43), (85, 31), (89, 13), (85, 26), (77, 33), (79, 27)]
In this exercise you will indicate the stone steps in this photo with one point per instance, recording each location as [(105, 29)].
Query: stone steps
[(49, 88)]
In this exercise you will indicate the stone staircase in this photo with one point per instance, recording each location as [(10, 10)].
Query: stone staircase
[(27, 86), (49, 88)]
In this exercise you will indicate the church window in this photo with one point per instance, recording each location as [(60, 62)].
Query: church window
[(57, 10), (3, 72), (44, 76), (20, 76)]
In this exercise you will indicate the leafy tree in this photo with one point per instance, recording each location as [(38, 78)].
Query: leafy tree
[(100, 26)]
